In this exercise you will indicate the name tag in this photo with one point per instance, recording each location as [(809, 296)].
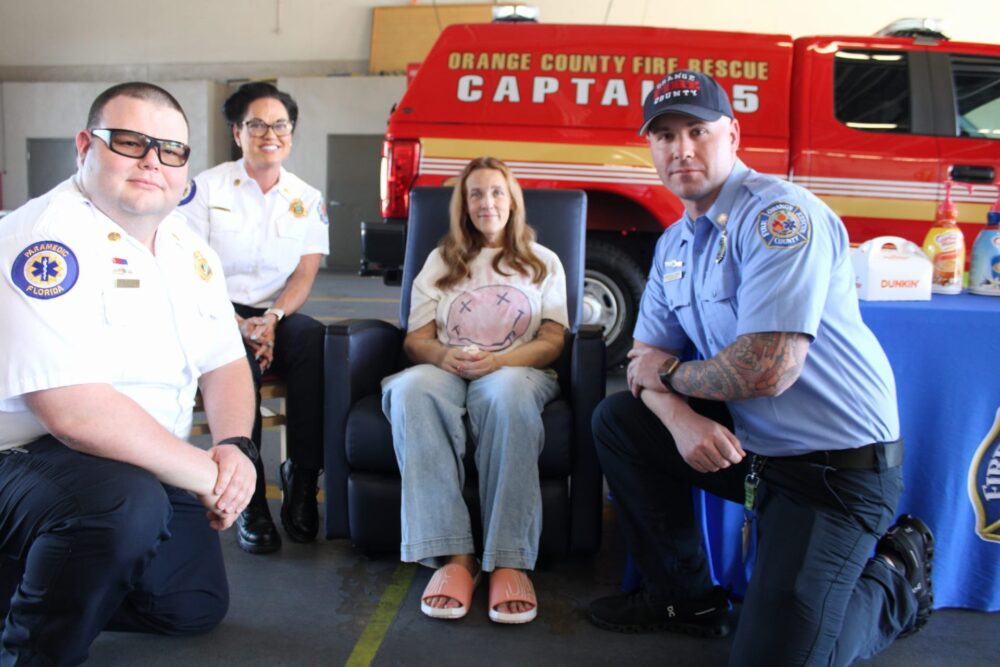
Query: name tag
[(675, 275), (127, 282)]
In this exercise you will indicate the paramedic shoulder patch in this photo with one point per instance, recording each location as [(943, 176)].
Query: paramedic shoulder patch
[(783, 225), (45, 270)]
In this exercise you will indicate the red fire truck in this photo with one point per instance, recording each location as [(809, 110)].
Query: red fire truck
[(872, 125)]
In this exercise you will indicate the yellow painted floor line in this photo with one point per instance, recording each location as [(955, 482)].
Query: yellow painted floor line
[(274, 493), (354, 299), (373, 634), (330, 319)]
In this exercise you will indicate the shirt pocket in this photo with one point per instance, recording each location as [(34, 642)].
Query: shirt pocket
[(677, 292), (292, 228), (286, 251), (232, 237), (719, 306), (211, 326), (141, 337)]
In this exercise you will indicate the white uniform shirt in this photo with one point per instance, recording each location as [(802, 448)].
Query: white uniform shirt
[(259, 237), (83, 302), (491, 311)]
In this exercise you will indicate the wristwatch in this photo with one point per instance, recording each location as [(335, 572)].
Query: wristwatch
[(244, 444), (277, 312), (667, 369)]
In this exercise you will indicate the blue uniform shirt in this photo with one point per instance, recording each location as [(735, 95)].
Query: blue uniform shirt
[(769, 256)]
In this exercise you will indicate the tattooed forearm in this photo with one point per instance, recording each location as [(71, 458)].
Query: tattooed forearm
[(755, 365)]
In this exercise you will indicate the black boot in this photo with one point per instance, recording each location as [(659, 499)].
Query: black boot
[(908, 547), (255, 531), (299, 514)]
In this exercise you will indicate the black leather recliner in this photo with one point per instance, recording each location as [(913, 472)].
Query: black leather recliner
[(362, 480)]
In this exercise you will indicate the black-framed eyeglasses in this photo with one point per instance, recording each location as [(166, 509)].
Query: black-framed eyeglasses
[(136, 145), (258, 128)]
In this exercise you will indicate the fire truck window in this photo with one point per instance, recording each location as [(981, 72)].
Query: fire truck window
[(977, 96), (872, 91)]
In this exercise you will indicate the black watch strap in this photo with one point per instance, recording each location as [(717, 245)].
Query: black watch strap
[(245, 445)]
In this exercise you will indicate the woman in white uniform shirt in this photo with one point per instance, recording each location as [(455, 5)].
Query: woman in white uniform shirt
[(270, 229)]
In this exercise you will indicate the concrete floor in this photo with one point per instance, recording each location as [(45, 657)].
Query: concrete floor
[(325, 604)]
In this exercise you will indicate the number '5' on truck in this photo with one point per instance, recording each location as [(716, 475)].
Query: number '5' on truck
[(872, 125)]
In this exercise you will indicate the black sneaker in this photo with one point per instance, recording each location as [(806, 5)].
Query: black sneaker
[(909, 544), (706, 616)]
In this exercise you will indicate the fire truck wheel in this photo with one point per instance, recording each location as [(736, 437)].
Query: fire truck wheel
[(612, 287)]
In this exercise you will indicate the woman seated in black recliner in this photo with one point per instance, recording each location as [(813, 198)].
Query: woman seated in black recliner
[(487, 318)]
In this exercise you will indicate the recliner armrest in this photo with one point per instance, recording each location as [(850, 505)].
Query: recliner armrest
[(357, 355), (588, 379)]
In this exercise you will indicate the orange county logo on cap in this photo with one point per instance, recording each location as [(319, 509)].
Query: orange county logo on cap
[(201, 266), (783, 225), (984, 484), (45, 270), (297, 208)]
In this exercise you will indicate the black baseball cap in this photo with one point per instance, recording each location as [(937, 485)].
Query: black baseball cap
[(688, 93)]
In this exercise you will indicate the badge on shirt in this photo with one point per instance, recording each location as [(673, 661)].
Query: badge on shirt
[(121, 266), (201, 266), (677, 273), (45, 270), (783, 225), (672, 276), (323, 217), (297, 208), (189, 192)]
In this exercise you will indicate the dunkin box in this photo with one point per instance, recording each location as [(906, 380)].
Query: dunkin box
[(890, 268)]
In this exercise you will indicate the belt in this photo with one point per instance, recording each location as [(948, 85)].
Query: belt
[(859, 458)]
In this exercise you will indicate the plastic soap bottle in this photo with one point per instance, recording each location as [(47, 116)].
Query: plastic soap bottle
[(945, 246), (984, 275)]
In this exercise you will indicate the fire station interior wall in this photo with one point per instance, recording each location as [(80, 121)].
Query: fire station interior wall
[(50, 162), (56, 56), (147, 34), (338, 105)]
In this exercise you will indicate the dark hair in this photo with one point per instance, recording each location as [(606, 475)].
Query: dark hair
[(139, 90), (235, 108)]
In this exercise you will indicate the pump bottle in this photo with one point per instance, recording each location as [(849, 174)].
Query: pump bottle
[(984, 275), (945, 246)]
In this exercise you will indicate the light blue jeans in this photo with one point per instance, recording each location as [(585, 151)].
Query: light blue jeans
[(425, 406)]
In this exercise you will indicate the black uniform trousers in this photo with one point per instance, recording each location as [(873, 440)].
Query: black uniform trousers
[(90, 544), (298, 360), (815, 597)]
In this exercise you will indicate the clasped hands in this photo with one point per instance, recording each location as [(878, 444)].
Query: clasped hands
[(469, 363), (234, 486), (259, 334)]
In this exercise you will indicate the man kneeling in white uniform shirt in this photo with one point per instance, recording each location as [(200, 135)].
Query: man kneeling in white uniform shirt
[(114, 315)]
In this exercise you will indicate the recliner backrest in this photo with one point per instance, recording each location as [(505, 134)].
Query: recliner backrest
[(557, 216)]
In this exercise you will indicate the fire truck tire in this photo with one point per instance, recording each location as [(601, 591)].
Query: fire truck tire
[(612, 287)]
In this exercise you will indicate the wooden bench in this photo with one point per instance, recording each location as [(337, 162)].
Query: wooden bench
[(272, 389)]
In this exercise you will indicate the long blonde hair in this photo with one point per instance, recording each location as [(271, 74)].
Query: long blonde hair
[(464, 242)]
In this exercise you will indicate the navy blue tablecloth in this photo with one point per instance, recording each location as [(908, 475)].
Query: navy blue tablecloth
[(945, 354)]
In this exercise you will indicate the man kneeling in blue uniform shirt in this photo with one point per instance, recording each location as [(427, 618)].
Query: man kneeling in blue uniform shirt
[(790, 410), (114, 314)]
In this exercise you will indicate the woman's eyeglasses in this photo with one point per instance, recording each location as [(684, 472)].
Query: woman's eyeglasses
[(258, 128)]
